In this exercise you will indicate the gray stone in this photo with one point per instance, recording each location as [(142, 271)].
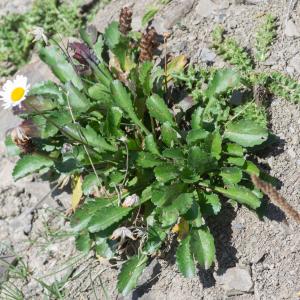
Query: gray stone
[(236, 279), (207, 55), (5, 262), (112, 10), (236, 98), (14, 6), (172, 14), (36, 71), (205, 8), (291, 30), (295, 62)]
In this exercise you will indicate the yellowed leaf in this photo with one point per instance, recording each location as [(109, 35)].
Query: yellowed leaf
[(182, 229), (177, 64), (129, 64), (77, 192)]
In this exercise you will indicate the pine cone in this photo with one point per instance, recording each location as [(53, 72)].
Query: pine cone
[(125, 20), (148, 44), (276, 198)]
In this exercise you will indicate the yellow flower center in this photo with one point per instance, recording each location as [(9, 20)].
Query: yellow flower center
[(17, 94)]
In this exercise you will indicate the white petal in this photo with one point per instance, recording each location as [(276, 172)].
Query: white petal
[(7, 85)]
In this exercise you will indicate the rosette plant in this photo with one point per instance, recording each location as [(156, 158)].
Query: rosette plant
[(148, 162)]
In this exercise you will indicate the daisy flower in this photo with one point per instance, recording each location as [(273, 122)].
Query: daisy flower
[(39, 34), (14, 92)]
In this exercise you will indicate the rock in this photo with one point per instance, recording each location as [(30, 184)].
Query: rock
[(236, 279), (207, 55), (205, 8), (290, 70), (5, 262), (291, 29), (165, 19), (236, 98), (6, 172), (172, 14), (295, 62), (14, 6), (36, 70), (112, 10)]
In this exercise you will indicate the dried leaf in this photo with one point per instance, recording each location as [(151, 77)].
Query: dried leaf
[(77, 192)]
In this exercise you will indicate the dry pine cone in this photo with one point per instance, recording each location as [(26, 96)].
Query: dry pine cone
[(125, 20), (148, 44)]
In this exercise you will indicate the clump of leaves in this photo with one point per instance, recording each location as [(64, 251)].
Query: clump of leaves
[(275, 83), (264, 38), (146, 165), (230, 50)]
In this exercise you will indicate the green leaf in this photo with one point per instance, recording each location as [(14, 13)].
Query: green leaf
[(231, 175), (216, 145), (82, 216), (145, 77), (104, 249), (148, 160), (123, 99), (237, 161), (246, 133), (59, 65), (78, 101), (169, 135), (42, 104), (11, 148), (89, 184), (46, 126), (159, 110), (178, 207), (197, 116), (130, 273), (251, 168), (83, 242), (149, 15), (113, 121), (106, 217), (194, 215), (151, 145), (182, 203), (100, 93), (166, 172), (174, 153), (156, 236), (48, 88), (222, 81), (200, 161), (210, 204), (203, 247), (196, 135), (112, 35), (234, 149), (31, 163), (88, 136), (161, 195), (241, 194), (184, 258)]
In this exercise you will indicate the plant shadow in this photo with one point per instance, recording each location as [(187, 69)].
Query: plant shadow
[(221, 229)]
